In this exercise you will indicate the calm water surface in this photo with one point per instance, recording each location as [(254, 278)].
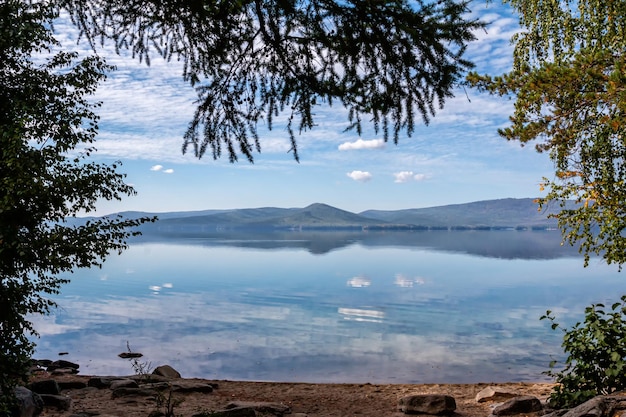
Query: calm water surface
[(418, 308)]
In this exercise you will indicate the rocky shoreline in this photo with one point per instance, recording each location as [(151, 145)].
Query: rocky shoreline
[(56, 390)]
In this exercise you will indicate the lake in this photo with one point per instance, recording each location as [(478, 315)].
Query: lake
[(421, 307)]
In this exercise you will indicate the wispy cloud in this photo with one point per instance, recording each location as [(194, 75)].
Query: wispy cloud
[(362, 144), (159, 168), (406, 176), (361, 176)]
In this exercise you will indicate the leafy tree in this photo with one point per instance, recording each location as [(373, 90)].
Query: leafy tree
[(569, 85), (47, 127), (389, 60)]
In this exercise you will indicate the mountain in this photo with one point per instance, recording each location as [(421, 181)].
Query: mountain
[(504, 213), (491, 214), (313, 217)]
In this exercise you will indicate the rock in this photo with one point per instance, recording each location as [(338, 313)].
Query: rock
[(61, 402), (71, 385), (127, 392), (43, 362), (494, 394), (63, 371), (518, 405), (123, 383), (605, 405), (63, 364), (46, 386), (427, 404), (262, 407), (29, 403), (103, 381), (166, 371), (130, 355), (191, 386), (233, 412)]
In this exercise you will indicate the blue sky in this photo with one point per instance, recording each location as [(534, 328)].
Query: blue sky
[(458, 158)]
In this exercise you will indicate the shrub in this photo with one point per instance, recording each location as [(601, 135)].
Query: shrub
[(596, 358)]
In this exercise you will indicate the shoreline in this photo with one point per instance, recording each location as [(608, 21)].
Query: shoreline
[(301, 398)]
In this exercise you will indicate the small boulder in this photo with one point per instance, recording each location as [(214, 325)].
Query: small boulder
[(166, 371), (433, 404), (495, 394), (123, 383), (191, 386), (61, 402), (518, 405), (29, 404), (63, 371), (130, 355), (45, 386), (130, 392), (76, 384), (63, 364)]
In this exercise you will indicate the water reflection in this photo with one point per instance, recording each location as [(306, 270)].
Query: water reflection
[(229, 312), (404, 282), (502, 244), (358, 314), (359, 282)]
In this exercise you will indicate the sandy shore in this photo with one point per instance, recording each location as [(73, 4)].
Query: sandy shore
[(313, 400)]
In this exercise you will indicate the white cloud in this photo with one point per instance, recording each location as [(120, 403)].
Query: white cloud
[(362, 144), (406, 176), (362, 176), (168, 171), (156, 167)]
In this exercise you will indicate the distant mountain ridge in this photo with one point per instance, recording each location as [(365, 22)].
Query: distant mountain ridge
[(506, 213)]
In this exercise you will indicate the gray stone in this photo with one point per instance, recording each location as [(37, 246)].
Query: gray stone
[(191, 386), (61, 402), (166, 371), (605, 405), (45, 386), (29, 403), (518, 405), (130, 355), (494, 394), (127, 392), (102, 381), (71, 385), (262, 407), (433, 404), (43, 362), (63, 364), (63, 371), (123, 383)]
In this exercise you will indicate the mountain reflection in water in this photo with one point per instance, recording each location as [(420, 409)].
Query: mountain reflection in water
[(503, 244)]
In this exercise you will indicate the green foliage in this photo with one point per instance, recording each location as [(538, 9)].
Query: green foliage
[(569, 86), (253, 60), (596, 361), (47, 126)]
